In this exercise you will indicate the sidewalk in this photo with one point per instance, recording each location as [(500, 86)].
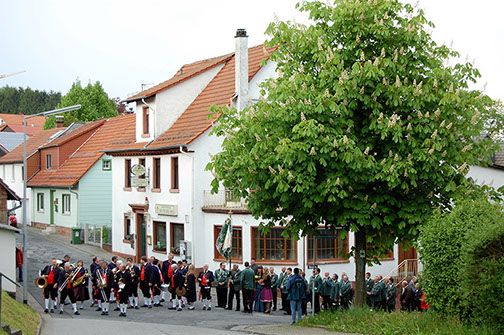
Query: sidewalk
[(285, 330)]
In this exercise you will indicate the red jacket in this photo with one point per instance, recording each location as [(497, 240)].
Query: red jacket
[(19, 258), (423, 303)]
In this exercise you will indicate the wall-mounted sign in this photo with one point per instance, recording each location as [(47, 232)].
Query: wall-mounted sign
[(138, 170), (171, 210), (138, 182)]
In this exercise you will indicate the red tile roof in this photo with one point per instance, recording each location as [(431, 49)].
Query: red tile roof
[(108, 135), (193, 122), (185, 72), (89, 126), (32, 144), (15, 123)]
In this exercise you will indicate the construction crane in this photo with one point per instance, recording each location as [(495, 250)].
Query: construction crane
[(11, 74)]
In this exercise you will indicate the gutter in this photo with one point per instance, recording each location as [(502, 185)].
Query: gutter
[(192, 196), (135, 99), (177, 146), (78, 206)]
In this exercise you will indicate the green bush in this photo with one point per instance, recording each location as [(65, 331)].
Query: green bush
[(483, 275), (441, 242)]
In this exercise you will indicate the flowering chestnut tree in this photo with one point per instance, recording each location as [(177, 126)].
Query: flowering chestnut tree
[(367, 128)]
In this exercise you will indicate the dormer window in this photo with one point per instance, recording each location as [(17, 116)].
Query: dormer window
[(48, 162), (145, 123)]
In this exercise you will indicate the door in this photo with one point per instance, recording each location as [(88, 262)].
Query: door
[(52, 206), (411, 267), (141, 239)]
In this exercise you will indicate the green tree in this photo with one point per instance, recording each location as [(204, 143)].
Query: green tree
[(366, 128), (95, 104), (14, 100)]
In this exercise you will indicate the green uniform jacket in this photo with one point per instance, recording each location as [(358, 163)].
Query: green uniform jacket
[(284, 282), (335, 290), (345, 290), (326, 287), (247, 279), (318, 283), (369, 284), (221, 276), (391, 294), (378, 292), (235, 277), (274, 284)]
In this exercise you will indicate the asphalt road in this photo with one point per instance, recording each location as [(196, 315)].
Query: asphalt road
[(41, 248)]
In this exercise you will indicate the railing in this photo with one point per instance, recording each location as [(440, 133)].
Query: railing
[(405, 270), (224, 199), (93, 235)]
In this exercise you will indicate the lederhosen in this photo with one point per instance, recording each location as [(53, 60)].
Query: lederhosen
[(123, 293), (67, 290), (133, 289), (52, 278), (145, 275)]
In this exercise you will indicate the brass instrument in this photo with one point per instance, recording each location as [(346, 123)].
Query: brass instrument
[(121, 284), (101, 284), (41, 282), (70, 278), (80, 280)]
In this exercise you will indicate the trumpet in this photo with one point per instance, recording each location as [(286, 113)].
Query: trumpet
[(101, 284), (70, 278), (80, 280), (41, 282)]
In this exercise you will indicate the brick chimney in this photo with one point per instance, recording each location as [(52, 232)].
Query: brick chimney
[(59, 121), (241, 68)]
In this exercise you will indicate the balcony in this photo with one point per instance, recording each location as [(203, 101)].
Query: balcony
[(223, 202)]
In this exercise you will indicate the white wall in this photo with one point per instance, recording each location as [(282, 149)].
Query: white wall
[(8, 260), (14, 179), (487, 175), (68, 220)]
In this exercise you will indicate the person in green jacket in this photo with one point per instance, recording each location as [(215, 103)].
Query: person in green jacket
[(247, 279), (221, 284), (325, 292), (391, 294), (274, 287), (335, 292), (377, 294), (234, 288), (369, 288), (296, 288), (283, 289), (315, 286), (345, 292)]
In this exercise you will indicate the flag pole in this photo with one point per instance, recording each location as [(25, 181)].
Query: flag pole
[(229, 258)]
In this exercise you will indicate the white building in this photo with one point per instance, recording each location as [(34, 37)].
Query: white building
[(174, 204)]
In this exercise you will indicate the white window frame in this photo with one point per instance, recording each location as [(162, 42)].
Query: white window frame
[(48, 162), (105, 163), (40, 202), (66, 204)]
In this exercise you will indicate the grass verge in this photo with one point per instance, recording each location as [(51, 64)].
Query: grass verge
[(365, 321), (19, 316)]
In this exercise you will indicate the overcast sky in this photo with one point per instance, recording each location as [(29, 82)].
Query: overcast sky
[(125, 44)]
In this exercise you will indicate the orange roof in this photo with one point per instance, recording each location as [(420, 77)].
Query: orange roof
[(89, 126), (193, 122), (32, 144), (15, 122), (108, 135), (187, 71)]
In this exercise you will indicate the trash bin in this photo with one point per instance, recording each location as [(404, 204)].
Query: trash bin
[(76, 235)]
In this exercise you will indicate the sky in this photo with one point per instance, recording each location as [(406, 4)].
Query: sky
[(125, 44)]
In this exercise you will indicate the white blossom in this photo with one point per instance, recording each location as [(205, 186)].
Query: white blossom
[(366, 152), (271, 169), (337, 181), (345, 139), (449, 125), (303, 117), (434, 134), (409, 128), (373, 206)]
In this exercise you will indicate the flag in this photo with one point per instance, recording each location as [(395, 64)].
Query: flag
[(224, 242)]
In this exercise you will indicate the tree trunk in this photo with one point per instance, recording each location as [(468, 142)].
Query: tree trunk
[(360, 268)]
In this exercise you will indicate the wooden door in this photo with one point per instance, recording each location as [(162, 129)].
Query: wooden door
[(140, 236)]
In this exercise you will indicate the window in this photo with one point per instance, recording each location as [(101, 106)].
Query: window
[(389, 255), (328, 246), (236, 251), (160, 235), (272, 246), (40, 202), (127, 173), (66, 204), (141, 161), (48, 162), (156, 166), (145, 122), (176, 235), (174, 173), (106, 165), (127, 227)]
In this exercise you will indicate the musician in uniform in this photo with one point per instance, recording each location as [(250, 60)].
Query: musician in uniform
[(185, 269), (221, 280), (191, 286), (105, 282), (65, 283), (111, 266), (123, 285), (178, 286), (205, 279), (156, 281), (234, 288), (145, 278), (81, 285), (92, 268), (51, 290), (177, 267), (135, 277), (166, 270), (66, 259), (115, 289)]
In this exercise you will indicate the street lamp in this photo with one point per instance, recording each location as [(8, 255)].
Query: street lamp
[(25, 176)]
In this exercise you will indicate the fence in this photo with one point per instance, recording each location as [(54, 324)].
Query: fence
[(224, 199), (98, 235)]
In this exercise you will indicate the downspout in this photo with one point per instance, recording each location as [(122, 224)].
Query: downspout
[(192, 201), (153, 123), (78, 206)]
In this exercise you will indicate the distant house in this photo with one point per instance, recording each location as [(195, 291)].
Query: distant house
[(9, 141), (73, 185), (492, 175), (14, 123), (11, 165)]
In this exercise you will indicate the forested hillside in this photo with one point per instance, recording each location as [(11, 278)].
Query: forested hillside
[(17, 99)]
